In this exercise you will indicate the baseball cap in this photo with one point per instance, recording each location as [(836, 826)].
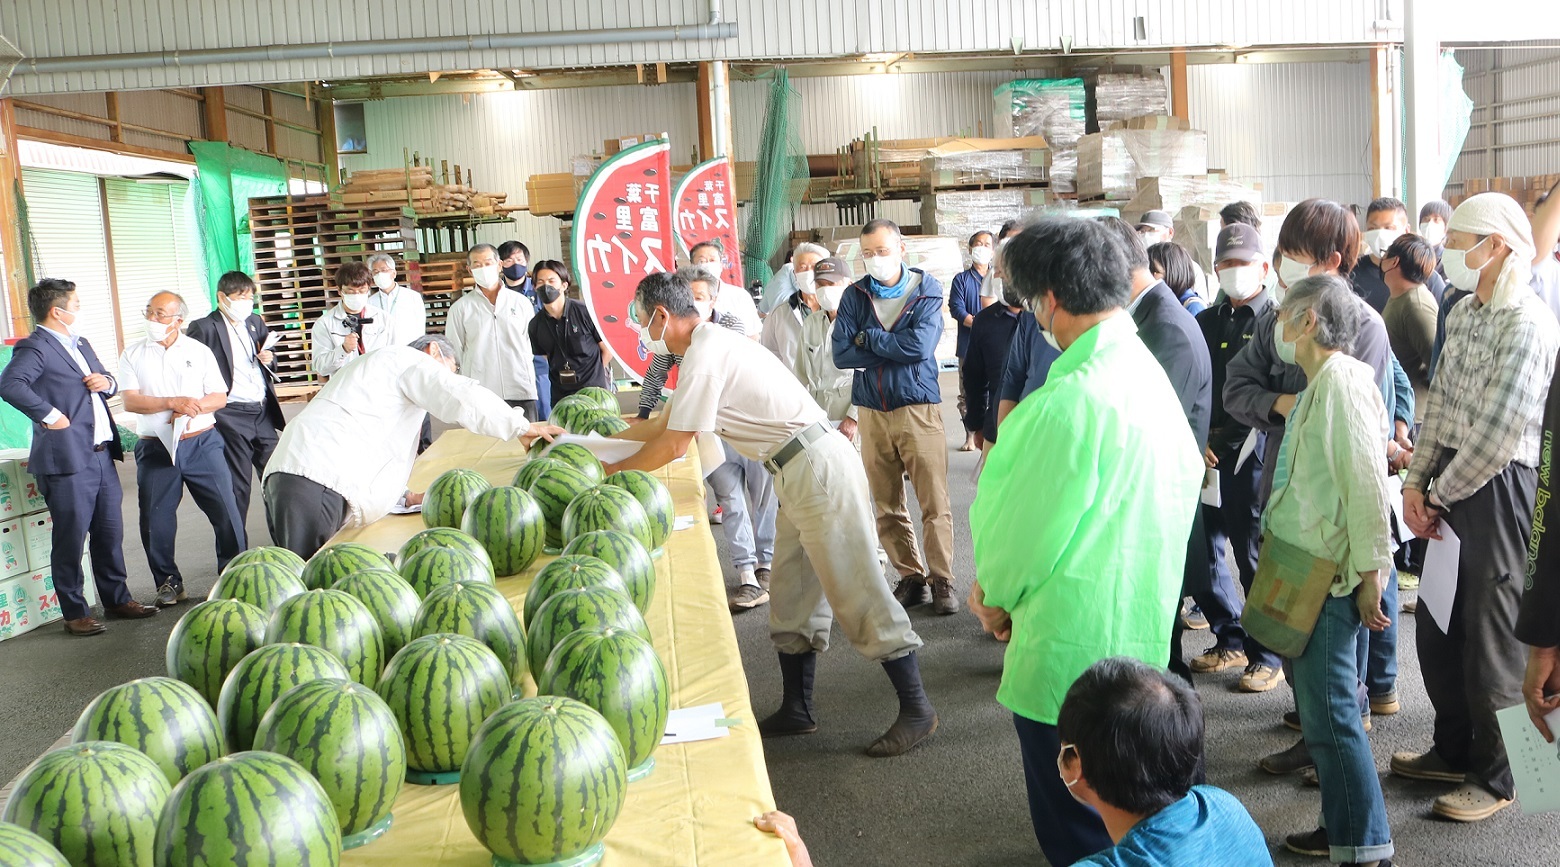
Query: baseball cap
[(1239, 241), (831, 270), (1157, 219)]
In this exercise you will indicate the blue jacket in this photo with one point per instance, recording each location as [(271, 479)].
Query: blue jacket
[(964, 300), (897, 366), (40, 378)]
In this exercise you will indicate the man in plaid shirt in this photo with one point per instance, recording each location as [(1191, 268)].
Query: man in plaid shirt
[(1475, 467)]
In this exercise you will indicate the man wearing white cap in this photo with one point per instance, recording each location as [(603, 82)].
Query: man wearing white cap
[(1475, 471)]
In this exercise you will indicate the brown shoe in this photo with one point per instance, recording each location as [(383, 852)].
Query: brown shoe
[(912, 591), (943, 599), (132, 610), (85, 626)]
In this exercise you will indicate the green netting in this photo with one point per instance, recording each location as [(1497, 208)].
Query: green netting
[(15, 428), (779, 181), (226, 179)]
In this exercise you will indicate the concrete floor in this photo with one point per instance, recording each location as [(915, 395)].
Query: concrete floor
[(957, 800)]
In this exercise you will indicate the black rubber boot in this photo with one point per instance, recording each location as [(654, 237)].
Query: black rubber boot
[(795, 716), (917, 719)]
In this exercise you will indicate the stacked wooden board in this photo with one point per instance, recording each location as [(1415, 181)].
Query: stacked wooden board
[(1525, 190), (444, 276), (418, 187)]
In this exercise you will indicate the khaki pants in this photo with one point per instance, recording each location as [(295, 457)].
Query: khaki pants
[(826, 562), (909, 440)]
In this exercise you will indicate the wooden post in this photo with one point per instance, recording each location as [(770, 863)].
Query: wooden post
[(325, 111), (1178, 103), (270, 122), (214, 109), (1383, 173), (116, 132), (706, 123), (15, 273)]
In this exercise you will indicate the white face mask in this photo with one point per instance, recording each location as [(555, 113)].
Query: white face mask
[(714, 269), (829, 295), (1286, 349), (884, 269), (70, 327), (1152, 238), (705, 308), (1380, 239), (1433, 231), (804, 281), (157, 332), (1291, 271), (384, 280), (354, 301), (486, 276), (1456, 264), (238, 309), (1046, 333), (981, 255), (655, 345), (1242, 281)]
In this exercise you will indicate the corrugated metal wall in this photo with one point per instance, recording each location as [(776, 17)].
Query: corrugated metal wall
[(1515, 129)]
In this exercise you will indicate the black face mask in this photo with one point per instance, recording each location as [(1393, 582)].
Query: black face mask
[(547, 293), (516, 273)]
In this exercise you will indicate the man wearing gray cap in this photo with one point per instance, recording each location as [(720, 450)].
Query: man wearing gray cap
[(1155, 227)]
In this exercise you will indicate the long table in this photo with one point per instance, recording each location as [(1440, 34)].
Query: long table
[(696, 807)]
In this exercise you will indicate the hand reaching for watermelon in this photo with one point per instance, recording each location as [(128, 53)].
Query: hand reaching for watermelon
[(784, 827), (540, 430)]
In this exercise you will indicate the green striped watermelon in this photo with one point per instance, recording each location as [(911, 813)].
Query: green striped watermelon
[(580, 458), (446, 500), (619, 674), (533, 468), (210, 639), (567, 412), (262, 676), (96, 802), (509, 525), (270, 554), (336, 562), (554, 489), (600, 398), (431, 568), (343, 734), (441, 688), (600, 422), (20, 847), (251, 809), (339, 623), (625, 554), (390, 599), (654, 496), (607, 507), (444, 537), (477, 611), (263, 585), (569, 611), (164, 718), (544, 782), (566, 573)]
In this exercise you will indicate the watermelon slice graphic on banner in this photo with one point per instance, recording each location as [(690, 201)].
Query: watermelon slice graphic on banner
[(706, 211), (621, 233)]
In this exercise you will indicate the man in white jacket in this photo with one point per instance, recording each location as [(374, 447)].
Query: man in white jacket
[(489, 327)]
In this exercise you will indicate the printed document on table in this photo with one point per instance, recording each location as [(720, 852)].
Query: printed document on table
[(1438, 579), (1534, 763), (702, 723), (170, 436)]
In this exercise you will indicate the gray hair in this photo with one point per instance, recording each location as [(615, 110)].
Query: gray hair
[(480, 248), (446, 348), (665, 290), (692, 275), (184, 308), (380, 257), (1339, 312), (818, 250)]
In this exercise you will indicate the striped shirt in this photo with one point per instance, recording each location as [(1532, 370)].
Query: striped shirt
[(661, 365)]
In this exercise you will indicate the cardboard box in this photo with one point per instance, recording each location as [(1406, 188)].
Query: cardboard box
[(16, 608), (38, 535), (13, 549), (32, 498), (29, 601), (12, 498)]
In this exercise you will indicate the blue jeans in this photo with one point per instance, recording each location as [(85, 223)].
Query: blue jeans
[(1379, 658), (1238, 521), (1326, 677), (543, 387)]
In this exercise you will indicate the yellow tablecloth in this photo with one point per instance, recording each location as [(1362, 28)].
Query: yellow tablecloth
[(696, 808)]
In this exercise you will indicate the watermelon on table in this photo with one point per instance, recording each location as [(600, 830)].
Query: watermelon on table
[(339, 623), (390, 599), (270, 554), (654, 496), (544, 782), (580, 458), (260, 678), (509, 525), (554, 489), (166, 719), (532, 469), (600, 422), (333, 563), (566, 573), (620, 675), (210, 639), (251, 809), (567, 412), (431, 568), (600, 398), (343, 734), (263, 585), (625, 554), (97, 802), (440, 688), (607, 507), (477, 611), (446, 500), (20, 847), (443, 537), (569, 611)]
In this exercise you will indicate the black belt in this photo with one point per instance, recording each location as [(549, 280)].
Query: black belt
[(796, 445)]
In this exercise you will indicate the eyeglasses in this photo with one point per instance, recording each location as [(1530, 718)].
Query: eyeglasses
[(161, 317)]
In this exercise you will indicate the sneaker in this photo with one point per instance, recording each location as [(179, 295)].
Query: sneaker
[(1408, 581), (1260, 678), (717, 516), (1411, 606), (747, 596), (762, 575), (1219, 659), (912, 590), (1469, 803), (169, 596), (1292, 720), (1193, 618), (1309, 779), (1385, 705), (1310, 843), (1427, 765), (1296, 758)]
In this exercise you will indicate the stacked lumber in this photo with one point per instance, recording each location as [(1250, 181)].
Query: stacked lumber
[(1525, 190), (416, 187)]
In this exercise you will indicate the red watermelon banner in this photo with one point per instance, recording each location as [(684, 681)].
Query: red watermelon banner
[(621, 233), (706, 211)]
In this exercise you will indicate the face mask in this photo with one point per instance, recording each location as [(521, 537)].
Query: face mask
[(1241, 282), (354, 301), (157, 332), (515, 273), (1380, 239), (1291, 271), (1433, 231), (384, 280), (1286, 350), (1456, 264), (547, 292), (981, 255), (70, 327), (829, 295), (656, 345), (485, 275), (238, 309), (885, 271), (1047, 334), (804, 281), (714, 269), (705, 308), (1151, 238), (1061, 770)]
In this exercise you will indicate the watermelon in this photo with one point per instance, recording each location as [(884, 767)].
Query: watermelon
[(97, 802), (569, 611), (262, 676), (619, 674), (477, 611), (607, 507), (532, 469), (544, 782), (443, 537), (20, 847), (447, 498), (581, 459), (654, 496), (600, 398), (509, 525), (251, 809), (336, 562), (166, 719), (568, 572), (270, 554), (263, 585), (568, 412), (339, 623), (600, 422), (554, 489), (210, 639), (625, 554), (440, 688), (434, 567), (390, 599), (343, 734)]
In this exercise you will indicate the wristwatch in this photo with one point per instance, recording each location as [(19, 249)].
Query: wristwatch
[(861, 338)]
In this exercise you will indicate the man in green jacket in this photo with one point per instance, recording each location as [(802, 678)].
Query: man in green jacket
[(1081, 517)]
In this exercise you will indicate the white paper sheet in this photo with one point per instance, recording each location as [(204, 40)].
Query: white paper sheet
[(1395, 500), (1438, 581), (606, 449), (271, 340), (1247, 448), (1210, 489), (702, 723), (684, 522), (171, 435), (401, 508), (1534, 763)]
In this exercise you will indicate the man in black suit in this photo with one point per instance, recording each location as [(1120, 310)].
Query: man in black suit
[(249, 422), (56, 380)]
